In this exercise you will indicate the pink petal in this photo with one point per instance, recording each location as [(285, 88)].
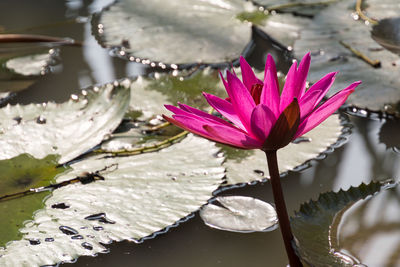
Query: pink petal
[(270, 93), (241, 99), (289, 91), (248, 76), (322, 85), (187, 127), (325, 110), (262, 120), (225, 108), (203, 114), (307, 103), (232, 137), (302, 72)]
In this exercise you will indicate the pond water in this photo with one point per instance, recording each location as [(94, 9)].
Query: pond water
[(371, 151)]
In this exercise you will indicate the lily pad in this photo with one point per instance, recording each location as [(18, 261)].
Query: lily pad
[(17, 175), (387, 34), (316, 226), (327, 36), (240, 214), (299, 7), (249, 166), (133, 202), (23, 66), (68, 129), (177, 32)]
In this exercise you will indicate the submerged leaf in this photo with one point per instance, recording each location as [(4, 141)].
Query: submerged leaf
[(240, 214), (251, 166), (331, 35), (133, 202), (68, 129), (174, 32), (17, 175), (298, 7), (316, 225)]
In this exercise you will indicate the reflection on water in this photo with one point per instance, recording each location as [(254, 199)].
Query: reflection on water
[(362, 159)]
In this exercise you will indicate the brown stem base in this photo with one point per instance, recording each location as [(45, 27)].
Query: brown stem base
[(281, 210)]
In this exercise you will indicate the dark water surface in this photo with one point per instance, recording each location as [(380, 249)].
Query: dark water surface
[(367, 155)]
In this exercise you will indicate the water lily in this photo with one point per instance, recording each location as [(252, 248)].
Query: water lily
[(260, 117)]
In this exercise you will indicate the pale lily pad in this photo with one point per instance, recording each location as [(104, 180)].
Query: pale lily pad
[(174, 32), (23, 66), (68, 129), (326, 37), (387, 34), (240, 214), (299, 7), (284, 28), (133, 202), (249, 166), (317, 227)]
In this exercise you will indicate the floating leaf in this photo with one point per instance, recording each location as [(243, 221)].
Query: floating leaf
[(316, 225), (132, 202), (330, 37), (298, 7), (22, 66), (249, 166), (285, 28), (240, 214), (67, 129), (387, 34), (17, 175), (177, 32)]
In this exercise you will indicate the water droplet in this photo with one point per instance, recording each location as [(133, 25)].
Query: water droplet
[(174, 66), (41, 120), (174, 178), (18, 119), (98, 228), (101, 217), (68, 230), (49, 239), (74, 97), (86, 245), (76, 237), (60, 206), (34, 242), (259, 172), (100, 26)]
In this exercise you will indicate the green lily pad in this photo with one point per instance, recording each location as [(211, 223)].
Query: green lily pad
[(327, 36), (317, 225), (133, 202), (184, 32), (68, 129), (17, 175)]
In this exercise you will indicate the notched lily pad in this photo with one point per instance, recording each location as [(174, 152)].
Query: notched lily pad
[(317, 225), (250, 166), (18, 175), (68, 129), (133, 202), (240, 214), (331, 35), (183, 32)]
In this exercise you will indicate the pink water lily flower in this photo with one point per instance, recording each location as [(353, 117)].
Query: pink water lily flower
[(259, 116)]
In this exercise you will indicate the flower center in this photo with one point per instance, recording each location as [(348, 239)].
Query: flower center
[(255, 92)]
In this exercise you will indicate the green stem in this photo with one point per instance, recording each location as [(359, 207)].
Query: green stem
[(283, 218)]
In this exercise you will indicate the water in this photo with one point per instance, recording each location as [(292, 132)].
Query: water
[(363, 158)]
